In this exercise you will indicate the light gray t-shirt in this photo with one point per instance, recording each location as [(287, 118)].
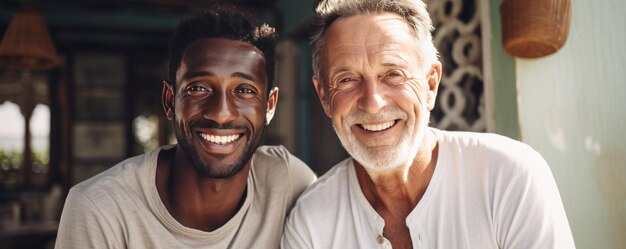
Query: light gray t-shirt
[(487, 191), (121, 208)]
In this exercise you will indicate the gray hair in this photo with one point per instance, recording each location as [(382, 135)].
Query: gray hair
[(413, 11)]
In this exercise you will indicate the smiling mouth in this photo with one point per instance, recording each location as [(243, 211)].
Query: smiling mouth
[(218, 139), (379, 126)]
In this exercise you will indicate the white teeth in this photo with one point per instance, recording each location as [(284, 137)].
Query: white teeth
[(378, 127), (220, 139)]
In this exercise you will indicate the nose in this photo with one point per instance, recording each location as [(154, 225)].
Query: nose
[(221, 108), (372, 97)]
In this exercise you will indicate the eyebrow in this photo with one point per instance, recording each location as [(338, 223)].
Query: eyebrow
[(395, 62), (195, 74), (390, 64), (341, 68), (243, 76), (344, 68)]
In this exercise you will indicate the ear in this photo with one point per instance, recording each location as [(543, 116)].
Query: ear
[(272, 100), (321, 93), (167, 100), (434, 78)]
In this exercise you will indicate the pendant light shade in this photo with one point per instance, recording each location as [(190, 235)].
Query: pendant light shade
[(534, 28), (27, 44)]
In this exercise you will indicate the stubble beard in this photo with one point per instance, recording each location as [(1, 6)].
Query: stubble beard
[(217, 170), (377, 160)]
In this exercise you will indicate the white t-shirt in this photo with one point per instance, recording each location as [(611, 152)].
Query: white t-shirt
[(121, 208), (487, 191)]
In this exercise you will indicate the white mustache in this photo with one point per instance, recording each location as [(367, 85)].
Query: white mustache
[(386, 114)]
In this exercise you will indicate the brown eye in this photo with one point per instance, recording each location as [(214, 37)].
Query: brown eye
[(393, 74), (346, 80), (197, 90), (246, 91), (393, 77)]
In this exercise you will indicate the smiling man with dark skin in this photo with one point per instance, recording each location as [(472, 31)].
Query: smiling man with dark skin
[(408, 185), (217, 188)]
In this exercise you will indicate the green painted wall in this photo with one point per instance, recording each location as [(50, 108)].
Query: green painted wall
[(572, 111), (503, 68), (294, 14)]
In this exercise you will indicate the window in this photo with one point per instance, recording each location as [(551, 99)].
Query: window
[(11, 145)]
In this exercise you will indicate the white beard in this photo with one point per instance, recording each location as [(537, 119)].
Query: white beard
[(379, 160)]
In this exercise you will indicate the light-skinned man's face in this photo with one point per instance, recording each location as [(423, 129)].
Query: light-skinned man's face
[(220, 105), (378, 92)]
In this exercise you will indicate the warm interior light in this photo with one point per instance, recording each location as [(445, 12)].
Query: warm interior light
[(534, 28), (27, 44)]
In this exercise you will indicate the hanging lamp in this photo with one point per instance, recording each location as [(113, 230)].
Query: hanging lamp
[(534, 28), (26, 45)]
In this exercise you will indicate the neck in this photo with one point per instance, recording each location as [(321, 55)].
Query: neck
[(399, 190), (194, 200)]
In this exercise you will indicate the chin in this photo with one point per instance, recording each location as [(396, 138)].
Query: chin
[(222, 166), (383, 160), (216, 166), (220, 170)]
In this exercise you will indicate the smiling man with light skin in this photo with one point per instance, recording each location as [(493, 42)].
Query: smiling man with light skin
[(217, 188), (407, 185)]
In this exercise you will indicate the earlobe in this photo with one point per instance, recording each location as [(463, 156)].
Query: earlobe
[(167, 100), (272, 100), (321, 93)]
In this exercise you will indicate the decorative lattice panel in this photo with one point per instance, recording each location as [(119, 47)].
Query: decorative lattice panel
[(460, 102)]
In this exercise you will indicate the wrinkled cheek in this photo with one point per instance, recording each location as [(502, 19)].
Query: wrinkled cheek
[(412, 100), (339, 102), (182, 128), (255, 116), (334, 112), (184, 120), (419, 91)]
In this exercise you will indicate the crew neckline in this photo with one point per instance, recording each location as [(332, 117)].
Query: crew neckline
[(164, 216), (378, 223)]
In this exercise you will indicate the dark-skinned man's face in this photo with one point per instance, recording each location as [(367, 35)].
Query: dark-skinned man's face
[(219, 105)]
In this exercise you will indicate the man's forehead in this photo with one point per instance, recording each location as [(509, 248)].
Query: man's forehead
[(219, 55), (383, 39), (368, 34), (369, 49), (389, 55), (219, 46), (369, 29)]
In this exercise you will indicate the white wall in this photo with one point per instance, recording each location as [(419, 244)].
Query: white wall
[(572, 108)]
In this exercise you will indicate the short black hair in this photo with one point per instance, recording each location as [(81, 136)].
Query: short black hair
[(223, 21)]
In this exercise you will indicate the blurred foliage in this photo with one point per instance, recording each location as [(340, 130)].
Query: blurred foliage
[(11, 164)]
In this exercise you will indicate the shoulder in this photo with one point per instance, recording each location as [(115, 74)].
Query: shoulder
[(488, 141), (278, 170), (120, 184), (277, 155), (491, 149), (317, 207), (119, 177), (507, 167), (521, 188), (94, 209), (330, 189), (511, 168)]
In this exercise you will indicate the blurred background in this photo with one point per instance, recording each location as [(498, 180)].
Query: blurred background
[(92, 98)]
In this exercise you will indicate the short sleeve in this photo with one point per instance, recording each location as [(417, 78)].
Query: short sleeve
[(82, 225), (530, 213), (300, 176), (294, 237)]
